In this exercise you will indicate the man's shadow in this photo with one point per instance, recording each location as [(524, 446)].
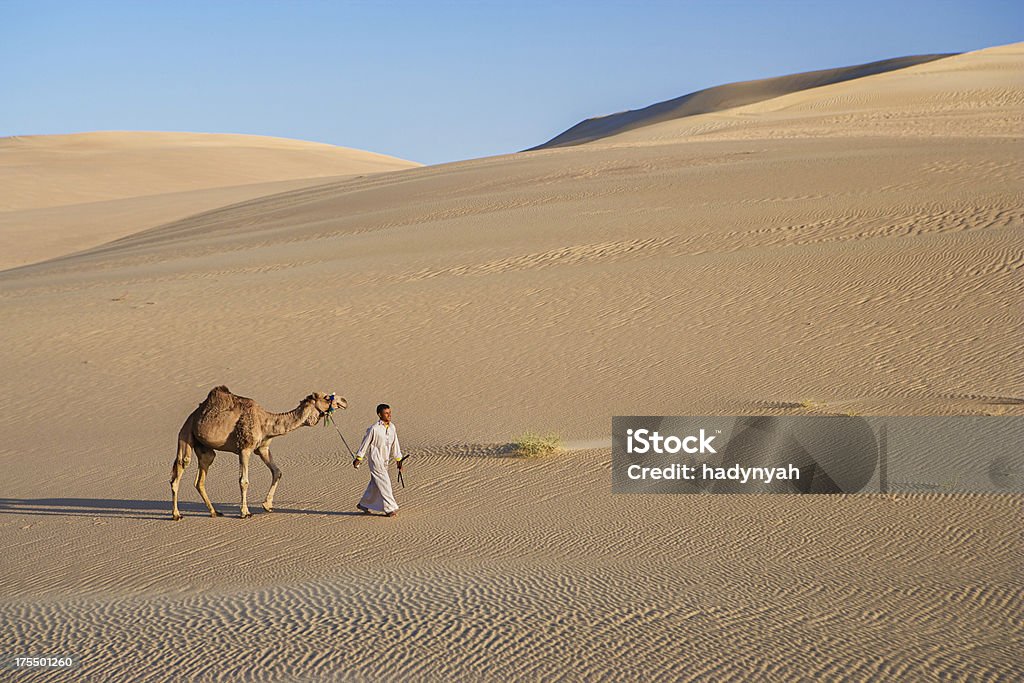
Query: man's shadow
[(137, 509)]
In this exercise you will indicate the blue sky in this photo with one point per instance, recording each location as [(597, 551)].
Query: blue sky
[(432, 81)]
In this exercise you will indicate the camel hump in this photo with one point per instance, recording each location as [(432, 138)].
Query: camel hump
[(219, 399)]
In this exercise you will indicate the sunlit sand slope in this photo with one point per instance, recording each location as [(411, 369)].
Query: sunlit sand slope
[(62, 193)]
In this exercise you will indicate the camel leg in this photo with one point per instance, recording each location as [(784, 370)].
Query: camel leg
[(206, 456), (243, 479), (275, 476), (177, 469)]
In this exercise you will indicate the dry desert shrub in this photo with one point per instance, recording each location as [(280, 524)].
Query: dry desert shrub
[(535, 446)]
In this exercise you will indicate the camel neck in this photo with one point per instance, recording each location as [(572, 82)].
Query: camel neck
[(282, 423)]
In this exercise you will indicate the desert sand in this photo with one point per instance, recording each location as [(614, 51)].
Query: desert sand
[(63, 193), (852, 247)]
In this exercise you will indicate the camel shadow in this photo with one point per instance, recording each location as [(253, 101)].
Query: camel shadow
[(137, 509)]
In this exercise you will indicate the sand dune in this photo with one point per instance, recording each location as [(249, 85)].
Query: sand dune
[(62, 193), (851, 248), (972, 95), (724, 97)]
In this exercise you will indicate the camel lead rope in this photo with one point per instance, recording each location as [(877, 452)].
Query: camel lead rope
[(331, 420)]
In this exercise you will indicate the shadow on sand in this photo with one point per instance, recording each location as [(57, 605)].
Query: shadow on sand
[(137, 509)]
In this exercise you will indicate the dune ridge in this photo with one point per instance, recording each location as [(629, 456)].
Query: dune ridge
[(969, 95), (723, 97), (62, 193)]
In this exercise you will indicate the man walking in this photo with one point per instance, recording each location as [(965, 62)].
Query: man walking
[(380, 443)]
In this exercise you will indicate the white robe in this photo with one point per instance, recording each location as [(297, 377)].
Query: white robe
[(381, 444)]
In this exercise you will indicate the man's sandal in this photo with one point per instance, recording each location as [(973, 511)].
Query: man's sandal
[(366, 511)]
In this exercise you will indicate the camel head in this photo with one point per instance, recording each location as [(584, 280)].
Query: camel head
[(323, 404)]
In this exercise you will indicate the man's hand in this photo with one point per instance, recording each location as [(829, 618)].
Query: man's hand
[(399, 463), (355, 463)]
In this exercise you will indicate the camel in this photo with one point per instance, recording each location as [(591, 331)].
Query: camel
[(225, 422)]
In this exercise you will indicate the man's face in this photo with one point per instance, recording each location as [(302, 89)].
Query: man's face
[(385, 414)]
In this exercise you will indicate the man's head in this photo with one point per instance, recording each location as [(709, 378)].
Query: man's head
[(384, 412)]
